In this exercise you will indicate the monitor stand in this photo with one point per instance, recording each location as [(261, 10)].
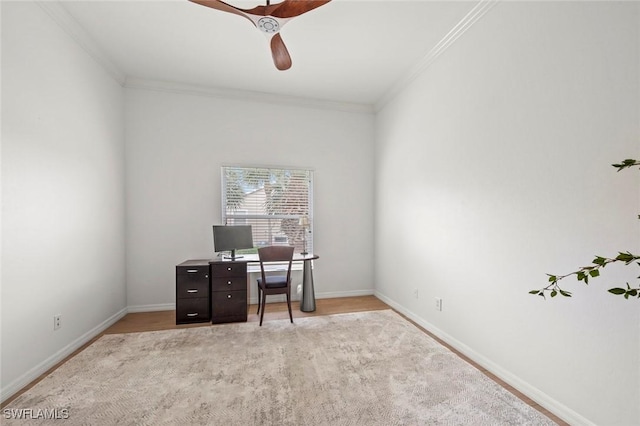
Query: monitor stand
[(233, 256)]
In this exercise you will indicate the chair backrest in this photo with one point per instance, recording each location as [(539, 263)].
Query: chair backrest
[(276, 254)]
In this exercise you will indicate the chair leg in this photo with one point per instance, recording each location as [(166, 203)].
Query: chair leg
[(259, 294), (289, 306), (264, 301)]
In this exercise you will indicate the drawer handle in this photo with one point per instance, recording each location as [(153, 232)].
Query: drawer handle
[(228, 296), (229, 268), (192, 291), (228, 282), (192, 315), (192, 271), (206, 276)]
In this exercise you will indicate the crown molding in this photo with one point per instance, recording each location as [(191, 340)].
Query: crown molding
[(244, 95), (63, 18), (482, 7)]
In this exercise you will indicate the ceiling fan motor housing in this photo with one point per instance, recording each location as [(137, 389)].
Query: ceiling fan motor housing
[(268, 24)]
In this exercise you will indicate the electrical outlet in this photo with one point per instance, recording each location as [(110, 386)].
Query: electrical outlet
[(438, 303), (57, 321), (415, 293)]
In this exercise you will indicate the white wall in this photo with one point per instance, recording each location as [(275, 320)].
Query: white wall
[(176, 144), (493, 169), (62, 194)]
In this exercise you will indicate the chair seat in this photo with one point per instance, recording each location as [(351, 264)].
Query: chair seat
[(274, 281)]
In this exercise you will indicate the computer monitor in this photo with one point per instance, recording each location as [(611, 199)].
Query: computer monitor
[(232, 238)]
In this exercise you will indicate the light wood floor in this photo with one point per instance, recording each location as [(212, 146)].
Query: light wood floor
[(166, 320)]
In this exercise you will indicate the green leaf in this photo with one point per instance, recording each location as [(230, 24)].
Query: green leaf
[(625, 257), (554, 293), (633, 292), (581, 276), (565, 293), (621, 256), (552, 278), (534, 292), (594, 273), (617, 290), (626, 163)]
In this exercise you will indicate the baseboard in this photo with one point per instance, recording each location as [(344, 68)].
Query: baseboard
[(559, 409), (31, 375), (152, 308), (352, 293)]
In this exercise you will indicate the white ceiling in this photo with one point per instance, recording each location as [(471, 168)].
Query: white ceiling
[(345, 51)]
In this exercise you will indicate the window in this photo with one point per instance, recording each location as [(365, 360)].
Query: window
[(272, 201), (240, 218)]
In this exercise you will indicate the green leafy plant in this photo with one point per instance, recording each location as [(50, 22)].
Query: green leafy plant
[(593, 270)]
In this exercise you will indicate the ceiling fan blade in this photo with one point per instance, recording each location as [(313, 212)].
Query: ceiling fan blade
[(280, 53), (220, 5), (262, 10), (291, 8)]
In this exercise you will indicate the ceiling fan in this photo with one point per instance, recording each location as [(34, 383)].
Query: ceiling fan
[(270, 19)]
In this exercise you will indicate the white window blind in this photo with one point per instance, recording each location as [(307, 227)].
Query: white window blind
[(272, 201)]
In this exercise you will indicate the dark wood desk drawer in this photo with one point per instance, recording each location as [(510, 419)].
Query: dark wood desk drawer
[(228, 306), (192, 310), (228, 283), (186, 274), (228, 270), (189, 289)]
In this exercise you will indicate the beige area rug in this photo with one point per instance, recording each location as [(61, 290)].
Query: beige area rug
[(369, 368)]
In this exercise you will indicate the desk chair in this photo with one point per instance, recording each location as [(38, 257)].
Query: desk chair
[(274, 284)]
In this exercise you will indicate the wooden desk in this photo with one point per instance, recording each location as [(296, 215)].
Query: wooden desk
[(215, 290)]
